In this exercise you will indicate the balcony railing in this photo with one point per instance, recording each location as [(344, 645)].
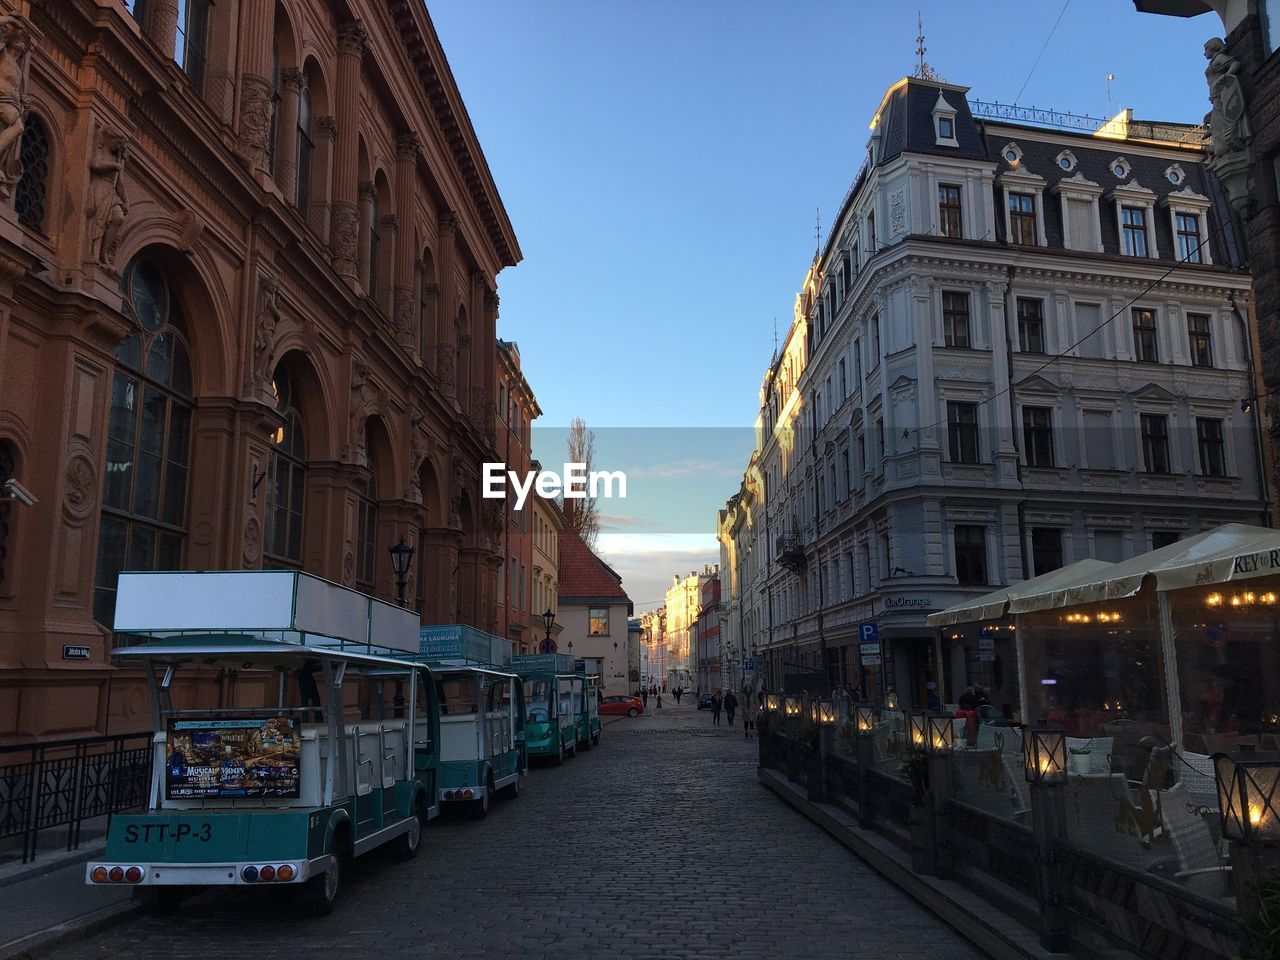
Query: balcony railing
[(790, 551)]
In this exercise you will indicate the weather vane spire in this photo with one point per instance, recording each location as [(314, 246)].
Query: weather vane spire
[(923, 70)]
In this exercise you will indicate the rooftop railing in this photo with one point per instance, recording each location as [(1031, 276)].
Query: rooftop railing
[(1181, 133)]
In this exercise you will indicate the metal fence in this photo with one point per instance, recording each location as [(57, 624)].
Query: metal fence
[(64, 783)]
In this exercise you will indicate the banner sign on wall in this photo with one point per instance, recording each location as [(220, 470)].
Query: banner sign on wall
[(209, 759)]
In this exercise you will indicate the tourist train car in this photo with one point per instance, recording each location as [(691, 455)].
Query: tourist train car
[(482, 735), (290, 734), (586, 709), (551, 724)]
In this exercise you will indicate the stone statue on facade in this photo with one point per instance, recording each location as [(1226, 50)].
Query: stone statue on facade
[(359, 407), (455, 495), (264, 334), (15, 58), (1228, 123), (107, 204)]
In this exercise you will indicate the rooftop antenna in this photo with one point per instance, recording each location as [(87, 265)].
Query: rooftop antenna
[(920, 47), (1110, 77), (775, 338), (817, 230)]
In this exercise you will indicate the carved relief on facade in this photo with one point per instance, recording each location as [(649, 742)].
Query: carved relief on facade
[(15, 58), (446, 367), (252, 541), (81, 492), (344, 236), (257, 102), (353, 38), (898, 213), (405, 318), (108, 205), (479, 407)]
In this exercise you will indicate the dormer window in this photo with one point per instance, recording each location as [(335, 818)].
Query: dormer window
[(1120, 167), (1012, 154), (1066, 160), (1175, 175), (944, 123)]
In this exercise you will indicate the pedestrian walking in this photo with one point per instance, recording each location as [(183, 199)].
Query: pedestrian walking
[(659, 701), (748, 715), (716, 704), (730, 706), (644, 697), (677, 693)]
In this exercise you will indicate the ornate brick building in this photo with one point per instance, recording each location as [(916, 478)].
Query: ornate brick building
[(248, 305)]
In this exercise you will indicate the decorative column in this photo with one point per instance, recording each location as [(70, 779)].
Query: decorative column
[(160, 24), (286, 146), (344, 227), (256, 96), (489, 355), (405, 306), (446, 335)]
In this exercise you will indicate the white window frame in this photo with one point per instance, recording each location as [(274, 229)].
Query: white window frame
[(1024, 181), (943, 109), (1134, 194), (1188, 202), (1080, 188)]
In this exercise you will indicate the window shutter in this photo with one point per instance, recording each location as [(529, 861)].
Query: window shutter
[(1080, 224)]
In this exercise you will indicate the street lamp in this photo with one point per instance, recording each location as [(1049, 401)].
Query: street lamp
[(401, 560), (1249, 797), (1044, 755), (548, 621)]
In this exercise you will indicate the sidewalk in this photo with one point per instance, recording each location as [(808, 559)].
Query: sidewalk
[(47, 903)]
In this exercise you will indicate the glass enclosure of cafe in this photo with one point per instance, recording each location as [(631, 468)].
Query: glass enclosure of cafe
[(1189, 649)]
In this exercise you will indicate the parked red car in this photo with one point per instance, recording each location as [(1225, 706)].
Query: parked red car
[(622, 705)]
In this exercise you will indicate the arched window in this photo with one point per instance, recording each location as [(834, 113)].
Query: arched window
[(275, 109), (8, 463), (373, 247), (144, 501), (29, 196), (286, 480), (190, 45), (305, 148), (367, 528)]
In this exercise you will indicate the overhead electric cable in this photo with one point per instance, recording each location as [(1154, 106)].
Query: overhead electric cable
[(1052, 30)]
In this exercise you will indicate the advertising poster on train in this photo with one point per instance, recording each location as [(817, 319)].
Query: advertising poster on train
[(210, 759)]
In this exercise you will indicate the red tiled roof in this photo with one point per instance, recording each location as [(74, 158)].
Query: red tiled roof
[(583, 574)]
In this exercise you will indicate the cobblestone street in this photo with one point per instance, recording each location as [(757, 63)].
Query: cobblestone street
[(658, 844)]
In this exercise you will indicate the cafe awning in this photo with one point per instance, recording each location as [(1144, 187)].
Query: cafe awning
[(1234, 551), (991, 606)]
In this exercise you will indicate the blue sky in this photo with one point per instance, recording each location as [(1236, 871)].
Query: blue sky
[(662, 162)]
